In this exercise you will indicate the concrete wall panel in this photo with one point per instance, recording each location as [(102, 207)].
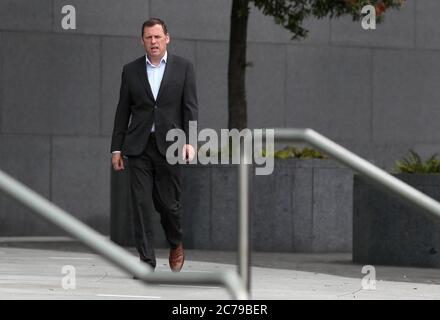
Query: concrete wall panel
[(302, 197), (196, 223), (27, 159), (212, 73), (265, 80), (332, 216), (26, 15), (106, 17), (81, 179), (328, 89), (406, 95), (272, 229), (52, 84), (427, 31), (223, 209)]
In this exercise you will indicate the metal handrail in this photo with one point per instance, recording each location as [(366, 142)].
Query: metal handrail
[(358, 164), (109, 250), (237, 286)]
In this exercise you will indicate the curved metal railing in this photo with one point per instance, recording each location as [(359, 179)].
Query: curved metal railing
[(346, 157), (238, 285), (109, 250)]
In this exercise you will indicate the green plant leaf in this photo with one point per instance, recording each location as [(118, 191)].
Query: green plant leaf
[(413, 163)]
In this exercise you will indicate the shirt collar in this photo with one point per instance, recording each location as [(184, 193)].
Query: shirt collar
[(164, 59)]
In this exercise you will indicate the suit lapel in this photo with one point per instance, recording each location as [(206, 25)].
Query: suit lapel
[(166, 74), (143, 75)]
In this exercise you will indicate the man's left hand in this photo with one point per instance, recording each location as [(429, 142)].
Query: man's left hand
[(188, 152)]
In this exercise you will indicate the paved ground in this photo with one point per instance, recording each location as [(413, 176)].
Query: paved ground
[(33, 270)]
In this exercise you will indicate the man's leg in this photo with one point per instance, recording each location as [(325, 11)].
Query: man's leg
[(167, 200), (141, 187), (167, 195)]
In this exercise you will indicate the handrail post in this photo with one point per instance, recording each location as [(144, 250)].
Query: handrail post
[(238, 285), (109, 250), (244, 250)]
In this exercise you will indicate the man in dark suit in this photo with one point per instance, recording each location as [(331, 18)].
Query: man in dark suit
[(158, 93)]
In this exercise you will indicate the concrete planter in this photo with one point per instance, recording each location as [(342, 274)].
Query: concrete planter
[(303, 206), (389, 232)]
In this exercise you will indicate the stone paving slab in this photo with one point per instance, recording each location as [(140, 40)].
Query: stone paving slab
[(33, 270)]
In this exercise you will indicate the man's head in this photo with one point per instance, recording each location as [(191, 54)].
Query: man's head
[(155, 38)]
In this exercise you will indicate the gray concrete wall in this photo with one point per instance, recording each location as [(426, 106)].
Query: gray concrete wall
[(373, 91), (303, 206), (391, 232)]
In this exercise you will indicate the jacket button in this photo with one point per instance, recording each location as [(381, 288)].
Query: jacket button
[(155, 107)]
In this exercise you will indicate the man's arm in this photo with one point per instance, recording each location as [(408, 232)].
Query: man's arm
[(190, 108), (189, 101), (122, 117)]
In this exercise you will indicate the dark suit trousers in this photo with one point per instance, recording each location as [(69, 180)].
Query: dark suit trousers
[(154, 184)]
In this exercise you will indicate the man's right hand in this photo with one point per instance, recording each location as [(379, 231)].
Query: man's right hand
[(117, 162)]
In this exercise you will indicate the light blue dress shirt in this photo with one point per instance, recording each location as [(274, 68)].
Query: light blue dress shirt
[(155, 75)]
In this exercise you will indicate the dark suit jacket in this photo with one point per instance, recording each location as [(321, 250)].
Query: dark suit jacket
[(175, 106)]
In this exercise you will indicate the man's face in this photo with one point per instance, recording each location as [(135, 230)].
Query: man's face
[(155, 41)]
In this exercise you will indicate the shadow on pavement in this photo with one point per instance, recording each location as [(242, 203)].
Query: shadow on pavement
[(337, 264)]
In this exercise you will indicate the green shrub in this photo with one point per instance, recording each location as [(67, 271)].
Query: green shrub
[(414, 164), (291, 152)]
